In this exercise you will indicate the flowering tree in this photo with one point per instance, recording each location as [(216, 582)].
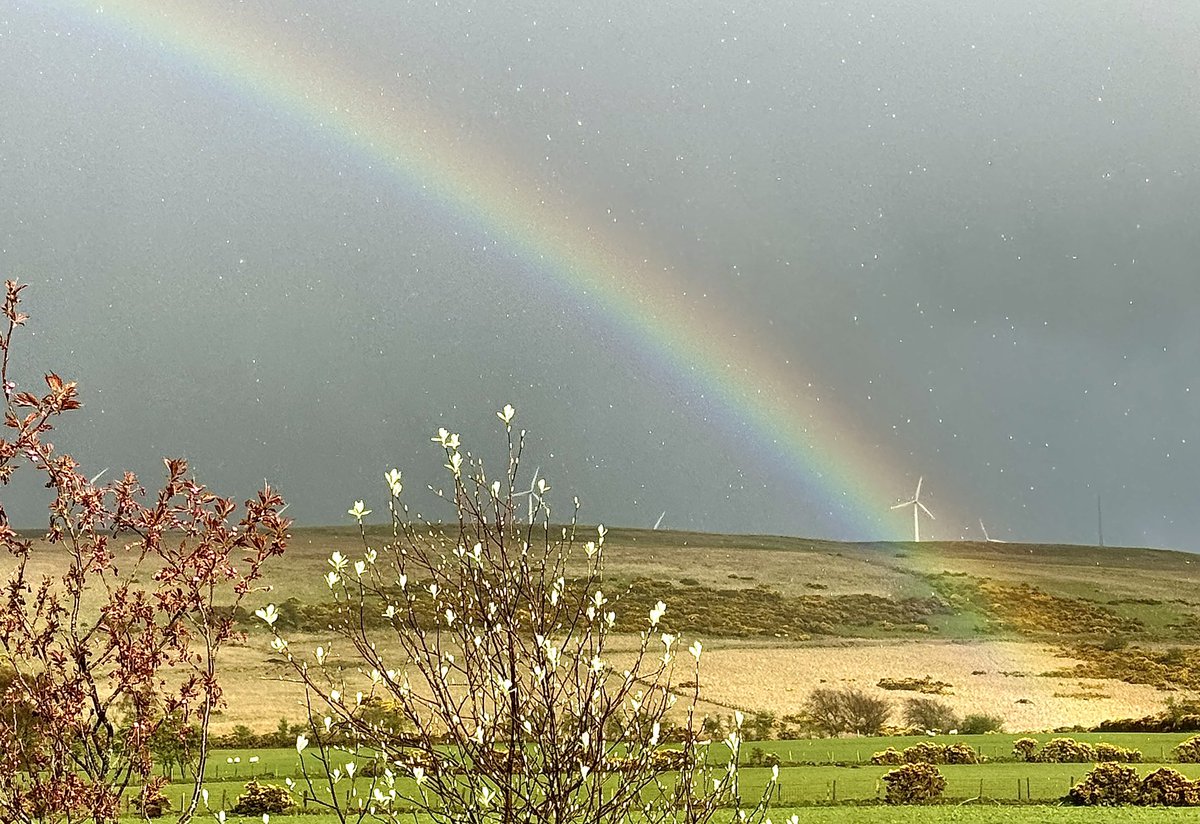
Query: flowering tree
[(490, 642), (125, 630)]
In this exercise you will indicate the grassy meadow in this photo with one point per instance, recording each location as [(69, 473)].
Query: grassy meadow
[(827, 777)]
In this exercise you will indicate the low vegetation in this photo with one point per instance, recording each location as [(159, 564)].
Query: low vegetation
[(1070, 751), (1189, 751), (926, 685), (1167, 669), (263, 798), (1113, 785), (917, 783), (928, 752)]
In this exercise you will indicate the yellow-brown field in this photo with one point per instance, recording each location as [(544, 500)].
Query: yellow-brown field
[(994, 656)]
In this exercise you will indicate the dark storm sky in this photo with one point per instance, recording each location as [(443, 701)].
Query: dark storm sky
[(976, 223)]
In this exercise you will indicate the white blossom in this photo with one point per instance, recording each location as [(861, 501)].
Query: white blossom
[(269, 614), (393, 481)]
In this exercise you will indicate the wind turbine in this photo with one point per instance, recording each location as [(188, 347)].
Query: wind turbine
[(985, 535), (659, 521), (534, 491), (918, 507)]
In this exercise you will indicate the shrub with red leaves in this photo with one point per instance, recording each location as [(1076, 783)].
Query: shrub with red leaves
[(94, 660)]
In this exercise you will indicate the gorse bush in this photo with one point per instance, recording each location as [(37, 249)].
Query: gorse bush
[(914, 784), (1107, 785), (1070, 751), (928, 752), (1066, 751), (1111, 785), (1169, 788), (263, 798), (498, 700), (1111, 752), (1188, 751)]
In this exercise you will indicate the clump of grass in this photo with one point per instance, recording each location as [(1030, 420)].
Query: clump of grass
[(925, 684)]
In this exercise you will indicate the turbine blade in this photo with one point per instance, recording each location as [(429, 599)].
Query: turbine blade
[(906, 503), (917, 496), (925, 509)]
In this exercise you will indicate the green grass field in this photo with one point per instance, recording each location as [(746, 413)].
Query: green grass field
[(935, 814), (836, 774)]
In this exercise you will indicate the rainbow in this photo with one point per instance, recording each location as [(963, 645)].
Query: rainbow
[(840, 471)]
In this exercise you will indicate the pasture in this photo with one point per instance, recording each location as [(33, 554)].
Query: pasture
[(825, 777)]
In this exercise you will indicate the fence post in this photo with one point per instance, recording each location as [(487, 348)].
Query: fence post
[(835, 789), (1018, 789), (1028, 795)]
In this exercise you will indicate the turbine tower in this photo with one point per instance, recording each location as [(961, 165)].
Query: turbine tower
[(918, 508), (533, 492), (985, 535)]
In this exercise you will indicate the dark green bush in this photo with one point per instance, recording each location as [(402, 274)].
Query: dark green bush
[(914, 784)]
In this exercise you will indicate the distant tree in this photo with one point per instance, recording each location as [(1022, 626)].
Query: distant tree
[(175, 744), (930, 714), (88, 648), (761, 726), (833, 711), (978, 723), (865, 714), (824, 711)]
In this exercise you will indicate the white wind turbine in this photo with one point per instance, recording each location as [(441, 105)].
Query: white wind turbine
[(918, 507), (985, 535), (658, 523), (534, 492)]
